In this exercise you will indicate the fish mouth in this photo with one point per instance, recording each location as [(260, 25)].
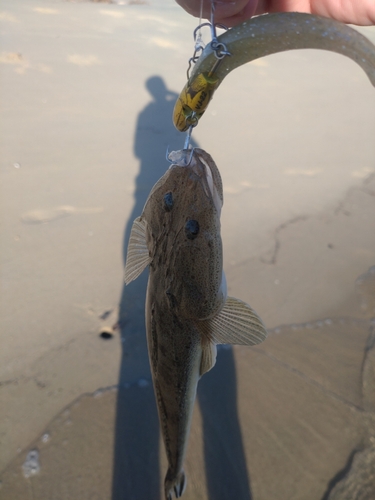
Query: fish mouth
[(206, 172)]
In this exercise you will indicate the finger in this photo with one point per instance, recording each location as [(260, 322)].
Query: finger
[(361, 12), (229, 12)]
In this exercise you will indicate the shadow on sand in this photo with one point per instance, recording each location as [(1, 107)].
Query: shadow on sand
[(136, 473)]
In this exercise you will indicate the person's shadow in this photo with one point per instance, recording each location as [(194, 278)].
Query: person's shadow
[(136, 473)]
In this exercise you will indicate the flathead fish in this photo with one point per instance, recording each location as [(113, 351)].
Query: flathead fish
[(187, 309)]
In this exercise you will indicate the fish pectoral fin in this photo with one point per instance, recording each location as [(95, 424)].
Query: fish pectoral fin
[(237, 323), (137, 257), (208, 360)]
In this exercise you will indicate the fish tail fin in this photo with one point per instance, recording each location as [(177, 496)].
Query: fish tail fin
[(174, 484)]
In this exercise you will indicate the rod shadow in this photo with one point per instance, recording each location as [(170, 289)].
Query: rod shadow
[(136, 472)]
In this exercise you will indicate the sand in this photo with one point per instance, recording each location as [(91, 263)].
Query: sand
[(87, 91)]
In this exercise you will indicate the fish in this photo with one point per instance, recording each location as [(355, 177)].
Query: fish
[(261, 36), (188, 312)]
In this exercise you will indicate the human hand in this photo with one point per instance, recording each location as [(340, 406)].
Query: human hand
[(232, 12)]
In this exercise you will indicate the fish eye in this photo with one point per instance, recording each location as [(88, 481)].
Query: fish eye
[(192, 229), (168, 201)]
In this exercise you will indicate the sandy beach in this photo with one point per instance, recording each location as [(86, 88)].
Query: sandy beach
[(87, 91)]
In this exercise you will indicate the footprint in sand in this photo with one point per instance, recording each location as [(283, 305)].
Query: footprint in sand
[(40, 216)]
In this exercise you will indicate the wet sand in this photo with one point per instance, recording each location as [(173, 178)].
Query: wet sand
[(87, 92)]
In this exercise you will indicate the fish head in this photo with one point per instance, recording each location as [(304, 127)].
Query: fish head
[(183, 235)]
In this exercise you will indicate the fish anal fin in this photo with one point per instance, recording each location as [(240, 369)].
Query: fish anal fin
[(137, 257), (236, 323), (208, 360)]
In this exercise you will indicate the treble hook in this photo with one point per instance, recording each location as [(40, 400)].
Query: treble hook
[(186, 148), (178, 162), (198, 28), (198, 48), (219, 48)]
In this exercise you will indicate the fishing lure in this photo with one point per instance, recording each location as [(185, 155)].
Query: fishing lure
[(198, 91), (194, 99)]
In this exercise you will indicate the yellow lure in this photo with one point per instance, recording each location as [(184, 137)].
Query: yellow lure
[(193, 100)]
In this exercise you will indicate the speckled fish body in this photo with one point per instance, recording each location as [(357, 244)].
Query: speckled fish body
[(184, 286), (187, 308)]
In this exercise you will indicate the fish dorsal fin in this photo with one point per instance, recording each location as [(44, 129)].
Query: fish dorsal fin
[(236, 323), (208, 360), (137, 257)]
